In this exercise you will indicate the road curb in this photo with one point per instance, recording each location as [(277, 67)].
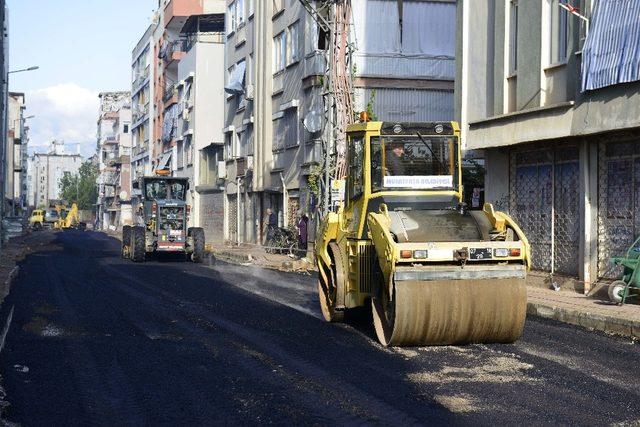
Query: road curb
[(233, 257), (593, 321)]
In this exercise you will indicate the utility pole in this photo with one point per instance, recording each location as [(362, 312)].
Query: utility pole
[(333, 19)]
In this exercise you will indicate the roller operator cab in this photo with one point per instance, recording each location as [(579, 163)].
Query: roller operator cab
[(162, 222), (433, 272)]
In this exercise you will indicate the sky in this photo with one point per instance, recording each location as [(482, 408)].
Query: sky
[(83, 47)]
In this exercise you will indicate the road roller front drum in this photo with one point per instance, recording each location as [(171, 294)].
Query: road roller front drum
[(442, 312)]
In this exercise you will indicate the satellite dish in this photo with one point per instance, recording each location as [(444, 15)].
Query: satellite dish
[(313, 121), (124, 195)]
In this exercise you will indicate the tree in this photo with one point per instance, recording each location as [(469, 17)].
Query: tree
[(81, 188)]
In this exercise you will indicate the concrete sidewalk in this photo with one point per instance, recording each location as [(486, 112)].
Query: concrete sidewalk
[(580, 310)]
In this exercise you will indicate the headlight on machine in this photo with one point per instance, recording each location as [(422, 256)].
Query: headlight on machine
[(420, 254), (501, 252), (506, 252)]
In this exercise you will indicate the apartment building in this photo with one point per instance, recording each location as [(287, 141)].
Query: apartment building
[(114, 154), (4, 95), (403, 67), (169, 49), (143, 109), (16, 151), (552, 98), (45, 172), (199, 120)]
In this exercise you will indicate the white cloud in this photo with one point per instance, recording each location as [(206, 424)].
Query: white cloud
[(64, 112)]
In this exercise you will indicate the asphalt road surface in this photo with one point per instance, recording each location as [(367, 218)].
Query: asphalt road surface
[(100, 340)]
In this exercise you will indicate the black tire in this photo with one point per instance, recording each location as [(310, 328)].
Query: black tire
[(126, 242), (138, 244), (37, 226), (331, 295), (197, 255)]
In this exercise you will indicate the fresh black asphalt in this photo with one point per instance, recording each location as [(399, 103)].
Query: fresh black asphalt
[(97, 340)]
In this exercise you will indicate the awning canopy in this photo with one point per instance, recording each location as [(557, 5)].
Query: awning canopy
[(611, 53), (236, 82)]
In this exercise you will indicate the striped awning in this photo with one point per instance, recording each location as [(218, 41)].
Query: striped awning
[(611, 53)]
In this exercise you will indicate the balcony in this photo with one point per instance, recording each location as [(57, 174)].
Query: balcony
[(109, 139), (315, 65), (176, 50), (139, 112), (176, 12)]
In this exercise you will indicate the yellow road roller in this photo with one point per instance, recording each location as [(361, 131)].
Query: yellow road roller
[(402, 241)]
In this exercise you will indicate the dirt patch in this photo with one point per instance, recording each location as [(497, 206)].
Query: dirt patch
[(491, 370), (459, 403), (16, 250)]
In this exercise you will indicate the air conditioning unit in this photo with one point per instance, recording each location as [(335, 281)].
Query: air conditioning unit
[(222, 170), (249, 92)]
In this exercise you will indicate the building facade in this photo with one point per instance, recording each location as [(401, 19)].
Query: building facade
[(143, 109), (552, 98), (45, 172), (16, 151), (276, 63), (200, 119), (114, 154)]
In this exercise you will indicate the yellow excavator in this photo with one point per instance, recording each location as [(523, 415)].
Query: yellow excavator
[(403, 241), (69, 218)]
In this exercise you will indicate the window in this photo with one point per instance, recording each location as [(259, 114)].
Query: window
[(240, 17), (285, 130), (188, 151), (412, 162), (231, 18), (559, 33), (126, 128), (279, 52), (242, 152), (513, 37), (180, 155), (229, 77), (356, 160), (293, 49), (278, 6), (228, 142)]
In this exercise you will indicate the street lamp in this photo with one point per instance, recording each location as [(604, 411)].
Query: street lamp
[(22, 70)]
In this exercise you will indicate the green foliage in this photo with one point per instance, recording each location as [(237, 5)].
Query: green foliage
[(369, 108), (82, 187), (314, 179)]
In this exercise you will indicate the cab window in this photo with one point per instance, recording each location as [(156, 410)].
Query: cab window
[(356, 169)]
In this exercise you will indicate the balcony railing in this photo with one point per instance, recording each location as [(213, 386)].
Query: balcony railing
[(110, 139), (176, 50), (139, 111), (169, 91)]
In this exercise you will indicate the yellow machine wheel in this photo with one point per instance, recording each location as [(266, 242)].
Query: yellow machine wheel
[(331, 294), (443, 312)]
